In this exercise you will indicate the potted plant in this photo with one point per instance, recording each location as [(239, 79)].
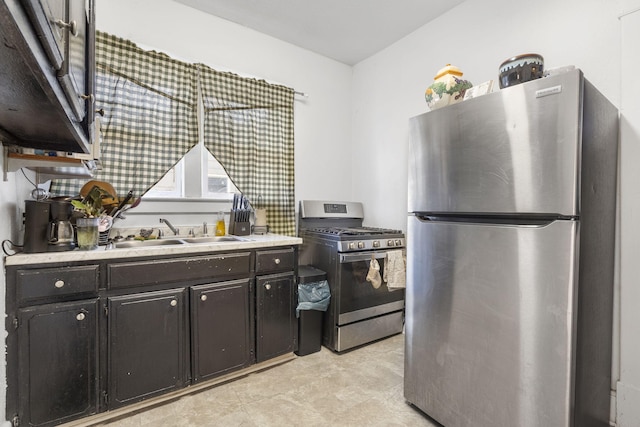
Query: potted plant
[(90, 207)]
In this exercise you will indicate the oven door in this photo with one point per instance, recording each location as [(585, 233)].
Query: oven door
[(357, 298)]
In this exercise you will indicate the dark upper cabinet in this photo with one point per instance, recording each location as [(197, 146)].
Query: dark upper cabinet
[(49, 18), (221, 320), (58, 362), (147, 345), (47, 72), (72, 75)]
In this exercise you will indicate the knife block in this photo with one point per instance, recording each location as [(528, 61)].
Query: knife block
[(239, 228)]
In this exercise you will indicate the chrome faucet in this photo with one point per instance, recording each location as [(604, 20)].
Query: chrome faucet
[(166, 221)]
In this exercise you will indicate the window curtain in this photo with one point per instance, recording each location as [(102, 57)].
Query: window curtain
[(150, 122), (248, 127), (150, 115)]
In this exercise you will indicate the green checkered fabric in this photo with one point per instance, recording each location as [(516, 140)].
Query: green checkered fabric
[(248, 127), (150, 115), (150, 123)]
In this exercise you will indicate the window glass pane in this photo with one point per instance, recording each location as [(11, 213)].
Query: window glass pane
[(168, 182), (170, 185), (218, 182)]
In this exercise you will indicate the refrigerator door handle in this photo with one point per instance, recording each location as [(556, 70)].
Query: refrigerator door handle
[(502, 220)]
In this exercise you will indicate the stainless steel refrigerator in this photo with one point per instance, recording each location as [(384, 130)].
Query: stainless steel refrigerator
[(510, 257)]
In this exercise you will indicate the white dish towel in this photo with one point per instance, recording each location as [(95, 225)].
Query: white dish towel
[(373, 276), (395, 270)]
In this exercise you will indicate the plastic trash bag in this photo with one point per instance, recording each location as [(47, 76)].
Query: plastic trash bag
[(313, 296)]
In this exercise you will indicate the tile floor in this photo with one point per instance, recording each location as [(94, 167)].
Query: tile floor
[(362, 387)]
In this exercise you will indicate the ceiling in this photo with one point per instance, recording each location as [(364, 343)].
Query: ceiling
[(345, 30)]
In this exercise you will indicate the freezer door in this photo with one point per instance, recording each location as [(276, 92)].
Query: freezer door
[(512, 151), (490, 323)]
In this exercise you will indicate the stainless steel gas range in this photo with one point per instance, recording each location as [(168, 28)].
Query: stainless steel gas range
[(335, 241)]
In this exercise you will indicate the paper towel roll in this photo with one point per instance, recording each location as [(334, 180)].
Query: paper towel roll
[(261, 217)]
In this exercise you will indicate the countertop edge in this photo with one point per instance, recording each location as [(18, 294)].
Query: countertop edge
[(253, 242)]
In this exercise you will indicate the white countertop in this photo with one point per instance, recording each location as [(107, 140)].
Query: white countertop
[(249, 242)]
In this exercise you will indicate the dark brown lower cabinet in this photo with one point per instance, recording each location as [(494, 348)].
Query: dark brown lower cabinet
[(221, 328), (58, 362), (88, 337), (275, 315), (147, 345)]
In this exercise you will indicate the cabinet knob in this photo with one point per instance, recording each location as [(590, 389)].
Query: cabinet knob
[(277, 260), (59, 284), (80, 316), (203, 298), (89, 97), (174, 302), (72, 26), (267, 286)]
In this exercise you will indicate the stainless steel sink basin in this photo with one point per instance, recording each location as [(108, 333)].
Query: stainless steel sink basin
[(147, 243), (175, 241), (212, 239)]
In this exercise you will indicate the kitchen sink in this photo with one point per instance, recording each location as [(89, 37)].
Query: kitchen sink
[(213, 239), (175, 241), (148, 243)]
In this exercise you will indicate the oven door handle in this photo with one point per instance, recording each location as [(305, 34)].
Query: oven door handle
[(346, 258)]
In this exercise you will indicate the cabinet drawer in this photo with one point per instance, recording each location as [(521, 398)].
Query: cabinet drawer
[(54, 282), (178, 270), (275, 260)]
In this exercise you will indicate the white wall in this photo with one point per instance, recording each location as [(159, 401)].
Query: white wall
[(629, 385), (322, 121)]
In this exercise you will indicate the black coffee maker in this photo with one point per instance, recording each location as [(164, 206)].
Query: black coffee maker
[(48, 226)]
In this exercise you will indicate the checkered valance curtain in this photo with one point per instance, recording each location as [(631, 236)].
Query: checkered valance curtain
[(150, 115), (248, 127), (150, 122)]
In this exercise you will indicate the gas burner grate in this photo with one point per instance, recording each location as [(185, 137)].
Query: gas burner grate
[(354, 231)]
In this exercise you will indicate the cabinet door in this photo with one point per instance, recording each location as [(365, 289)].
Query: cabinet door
[(47, 17), (276, 318), (146, 345), (57, 359), (74, 67), (221, 331)]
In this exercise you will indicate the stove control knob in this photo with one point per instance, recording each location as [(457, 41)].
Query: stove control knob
[(352, 245), (398, 242), (376, 243), (360, 245), (390, 243)]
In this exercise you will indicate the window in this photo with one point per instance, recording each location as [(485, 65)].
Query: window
[(206, 179)]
